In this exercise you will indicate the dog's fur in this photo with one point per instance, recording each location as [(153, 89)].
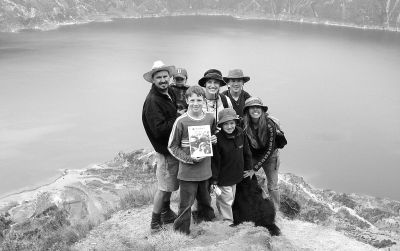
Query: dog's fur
[(249, 205)]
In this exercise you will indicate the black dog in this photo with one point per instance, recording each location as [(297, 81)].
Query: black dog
[(249, 205)]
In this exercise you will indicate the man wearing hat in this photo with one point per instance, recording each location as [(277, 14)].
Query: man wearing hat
[(179, 88), (235, 93), (158, 116), (214, 101)]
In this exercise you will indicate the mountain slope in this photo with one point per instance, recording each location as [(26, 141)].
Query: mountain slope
[(127, 183), (48, 14)]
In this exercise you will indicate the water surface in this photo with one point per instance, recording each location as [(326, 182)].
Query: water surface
[(73, 96)]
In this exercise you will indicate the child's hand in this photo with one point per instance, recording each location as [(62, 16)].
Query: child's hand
[(249, 173), (197, 159), (213, 139), (181, 111)]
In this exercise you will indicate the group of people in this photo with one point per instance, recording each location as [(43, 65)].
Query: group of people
[(243, 138)]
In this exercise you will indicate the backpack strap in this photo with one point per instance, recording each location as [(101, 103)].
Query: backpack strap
[(224, 100), (270, 145)]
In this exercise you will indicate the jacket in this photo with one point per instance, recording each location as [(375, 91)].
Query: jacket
[(239, 104), (232, 156), (179, 92), (158, 116)]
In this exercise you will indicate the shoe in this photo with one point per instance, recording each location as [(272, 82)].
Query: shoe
[(155, 225), (168, 216)]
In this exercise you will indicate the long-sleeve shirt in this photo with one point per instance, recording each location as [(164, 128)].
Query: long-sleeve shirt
[(210, 104), (179, 92), (232, 156), (178, 146), (238, 105), (158, 116)]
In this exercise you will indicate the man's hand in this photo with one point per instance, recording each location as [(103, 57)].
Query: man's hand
[(249, 173), (213, 139)]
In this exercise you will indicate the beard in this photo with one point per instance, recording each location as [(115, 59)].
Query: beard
[(160, 86)]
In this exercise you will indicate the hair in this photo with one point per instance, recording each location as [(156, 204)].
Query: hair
[(199, 91), (261, 137)]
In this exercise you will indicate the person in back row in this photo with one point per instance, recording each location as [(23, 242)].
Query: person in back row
[(214, 101), (235, 93), (179, 88)]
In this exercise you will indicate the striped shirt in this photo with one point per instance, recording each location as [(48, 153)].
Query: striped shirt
[(178, 146)]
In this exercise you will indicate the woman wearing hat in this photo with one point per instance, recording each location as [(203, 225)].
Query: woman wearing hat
[(214, 102), (261, 133)]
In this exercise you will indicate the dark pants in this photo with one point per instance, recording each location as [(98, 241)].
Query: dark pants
[(189, 191)]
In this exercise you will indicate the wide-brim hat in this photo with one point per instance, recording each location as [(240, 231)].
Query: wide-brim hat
[(226, 115), (212, 74), (236, 74), (253, 101), (158, 66)]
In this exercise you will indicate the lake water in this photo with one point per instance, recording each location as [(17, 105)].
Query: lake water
[(73, 96)]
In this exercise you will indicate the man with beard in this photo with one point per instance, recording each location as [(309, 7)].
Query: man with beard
[(235, 93), (158, 116)]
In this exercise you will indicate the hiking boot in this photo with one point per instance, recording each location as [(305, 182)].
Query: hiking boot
[(196, 217), (155, 225), (168, 216)]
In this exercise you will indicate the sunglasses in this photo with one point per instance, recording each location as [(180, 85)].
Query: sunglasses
[(179, 79)]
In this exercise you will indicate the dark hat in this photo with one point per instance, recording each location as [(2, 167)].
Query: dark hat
[(180, 72), (158, 66), (226, 115), (253, 101), (212, 74), (236, 74)]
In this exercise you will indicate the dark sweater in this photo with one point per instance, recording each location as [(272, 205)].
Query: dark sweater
[(158, 117), (179, 92), (231, 157), (239, 104)]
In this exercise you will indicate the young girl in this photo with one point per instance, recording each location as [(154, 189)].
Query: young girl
[(261, 132), (231, 157)]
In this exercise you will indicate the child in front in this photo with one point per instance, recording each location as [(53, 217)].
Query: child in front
[(194, 172), (231, 157)]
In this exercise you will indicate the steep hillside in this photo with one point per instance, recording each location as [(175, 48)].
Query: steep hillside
[(48, 14), (61, 213)]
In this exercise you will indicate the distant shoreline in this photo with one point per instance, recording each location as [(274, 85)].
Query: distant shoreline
[(281, 18), (34, 188)]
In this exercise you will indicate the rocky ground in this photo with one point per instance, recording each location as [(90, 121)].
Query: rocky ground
[(108, 207), (129, 230)]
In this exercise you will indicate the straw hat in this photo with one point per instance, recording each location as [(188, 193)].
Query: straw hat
[(158, 66)]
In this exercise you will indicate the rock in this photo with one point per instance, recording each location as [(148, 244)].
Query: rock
[(289, 207)]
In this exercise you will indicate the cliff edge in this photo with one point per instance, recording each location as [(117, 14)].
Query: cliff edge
[(108, 206)]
